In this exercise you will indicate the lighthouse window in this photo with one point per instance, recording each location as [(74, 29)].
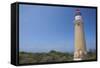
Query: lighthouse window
[(78, 24)]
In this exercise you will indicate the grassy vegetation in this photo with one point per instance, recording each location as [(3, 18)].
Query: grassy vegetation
[(52, 56), (91, 55)]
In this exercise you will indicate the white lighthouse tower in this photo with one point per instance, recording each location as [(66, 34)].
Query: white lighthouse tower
[(80, 44)]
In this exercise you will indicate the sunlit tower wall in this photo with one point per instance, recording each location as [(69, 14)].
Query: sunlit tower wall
[(79, 40)]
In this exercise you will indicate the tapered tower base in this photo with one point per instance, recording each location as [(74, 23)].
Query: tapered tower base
[(77, 59), (80, 55)]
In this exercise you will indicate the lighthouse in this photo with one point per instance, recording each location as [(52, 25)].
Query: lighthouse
[(79, 37)]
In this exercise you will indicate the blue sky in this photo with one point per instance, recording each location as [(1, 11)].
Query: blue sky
[(45, 28)]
